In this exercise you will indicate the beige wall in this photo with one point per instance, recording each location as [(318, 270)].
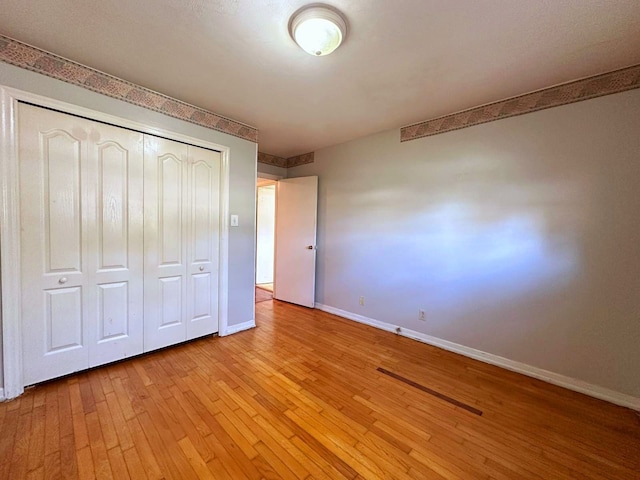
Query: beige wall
[(520, 237), (242, 176), (272, 170)]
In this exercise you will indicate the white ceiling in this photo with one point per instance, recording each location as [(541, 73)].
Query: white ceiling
[(403, 61)]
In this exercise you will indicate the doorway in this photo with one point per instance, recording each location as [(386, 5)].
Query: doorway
[(286, 213), (265, 238)]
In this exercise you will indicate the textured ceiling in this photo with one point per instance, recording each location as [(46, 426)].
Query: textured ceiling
[(403, 61)]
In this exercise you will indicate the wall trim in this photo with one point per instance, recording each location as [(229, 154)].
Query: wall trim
[(576, 385), (223, 254), (570, 92), (274, 160), (239, 327), (301, 159), (2, 399), (294, 161), (10, 273), (37, 60)]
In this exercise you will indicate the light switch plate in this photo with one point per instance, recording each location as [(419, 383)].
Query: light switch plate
[(234, 220)]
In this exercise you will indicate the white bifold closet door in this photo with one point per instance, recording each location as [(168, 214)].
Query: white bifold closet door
[(81, 245), (119, 242), (181, 215)]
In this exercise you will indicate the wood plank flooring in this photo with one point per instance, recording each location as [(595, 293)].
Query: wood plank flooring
[(263, 295), (300, 396)]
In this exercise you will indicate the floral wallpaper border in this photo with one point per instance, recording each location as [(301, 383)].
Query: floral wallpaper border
[(274, 160), (295, 161), (32, 58), (576, 91), (300, 159)]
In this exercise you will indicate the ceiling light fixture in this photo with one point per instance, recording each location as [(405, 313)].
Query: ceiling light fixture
[(318, 29)]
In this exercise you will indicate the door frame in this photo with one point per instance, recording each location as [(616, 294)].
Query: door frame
[(10, 281)]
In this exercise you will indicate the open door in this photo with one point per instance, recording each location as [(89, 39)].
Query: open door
[(295, 265)]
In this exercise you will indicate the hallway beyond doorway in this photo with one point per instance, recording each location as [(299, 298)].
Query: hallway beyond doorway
[(266, 286)]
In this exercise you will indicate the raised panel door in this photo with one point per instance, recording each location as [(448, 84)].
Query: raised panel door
[(120, 242), (81, 213), (166, 216), (203, 251), (295, 258), (53, 183), (115, 164)]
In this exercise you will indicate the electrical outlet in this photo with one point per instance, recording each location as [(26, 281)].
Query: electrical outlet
[(422, 315), (362, 301)]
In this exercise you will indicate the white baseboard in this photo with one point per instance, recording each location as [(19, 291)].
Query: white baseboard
[(2, 395), (238, 327), (581, 386)]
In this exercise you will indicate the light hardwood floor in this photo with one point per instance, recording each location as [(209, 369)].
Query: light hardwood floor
[(266, 286), (300, 396), (263, 295)]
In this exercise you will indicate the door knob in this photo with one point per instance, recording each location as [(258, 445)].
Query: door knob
[(62, 280), (201, 268)]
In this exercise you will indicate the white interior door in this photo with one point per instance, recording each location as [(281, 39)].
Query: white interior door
[(204, 242), (112, 221), (166, 211), (116, 241), (81, 243), (53, 185), (295, 264), (182, 242)]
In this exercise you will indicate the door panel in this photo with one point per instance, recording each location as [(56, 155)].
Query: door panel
[(116, 261), (61, 188), (171, 302), (54, 303), (113, 183), (201, 295), (201, 212), (112, 224), (165, 209), (113, 311), (81, 199), (202, 288), (63, 319), (170, 205), (295, 263)]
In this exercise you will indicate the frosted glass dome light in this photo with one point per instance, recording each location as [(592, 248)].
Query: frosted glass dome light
[(318, 30)]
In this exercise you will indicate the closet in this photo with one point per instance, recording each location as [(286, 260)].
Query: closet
[(181, 219), (119, 242)]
